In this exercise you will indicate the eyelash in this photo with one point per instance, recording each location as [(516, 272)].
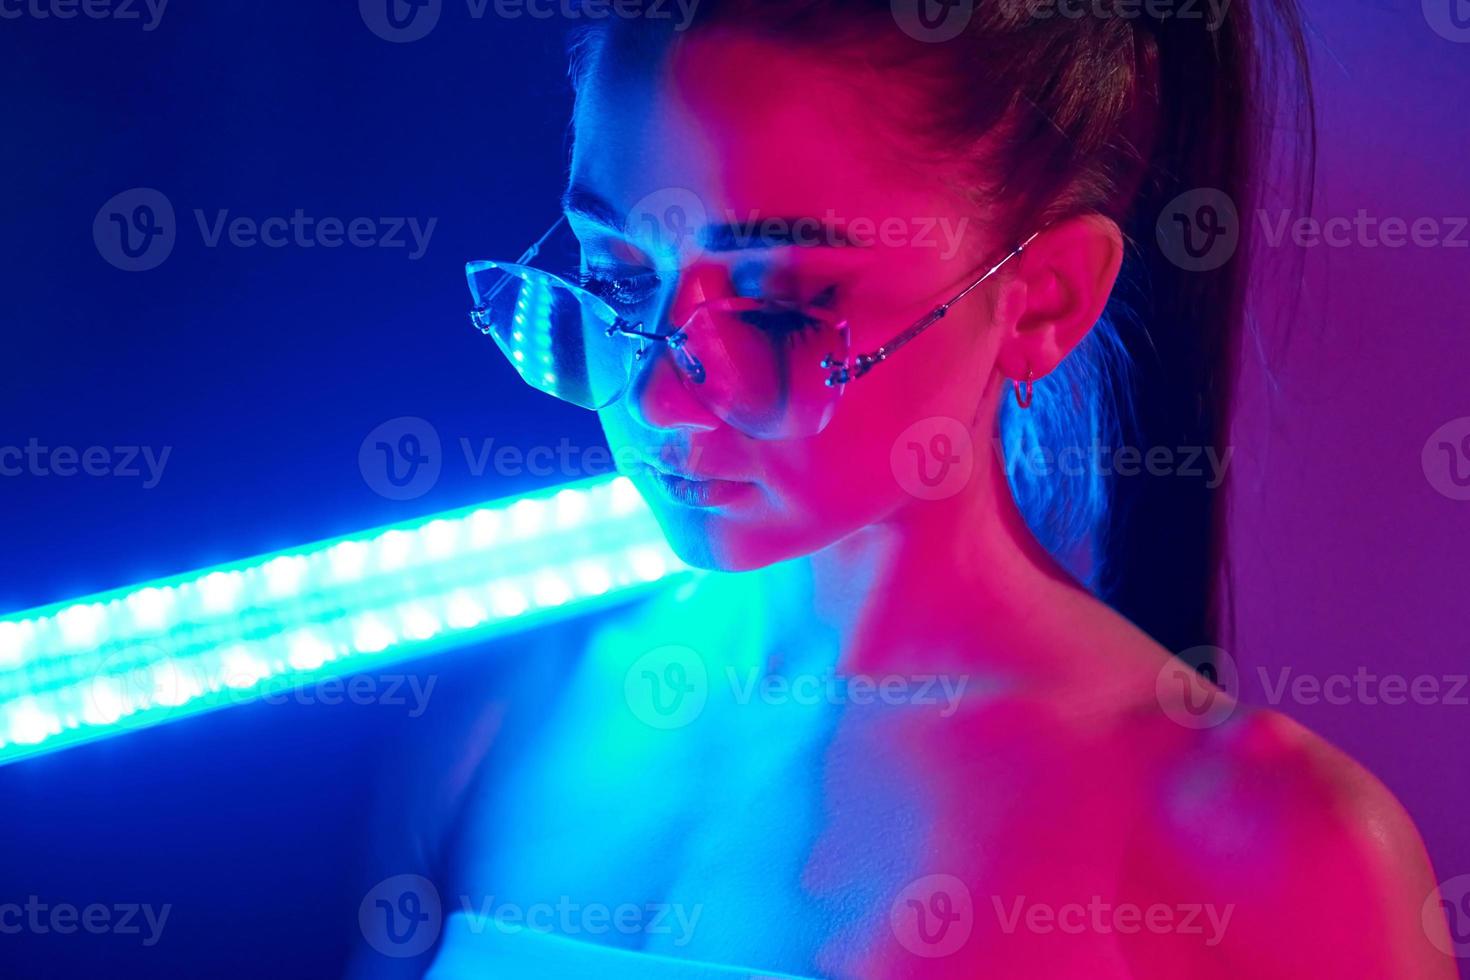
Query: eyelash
[(787, 322), (793, 320), (624, 292)]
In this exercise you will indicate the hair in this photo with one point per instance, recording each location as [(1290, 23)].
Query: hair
[(1115, 113)]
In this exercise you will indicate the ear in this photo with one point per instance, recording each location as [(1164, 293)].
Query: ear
[(1057, 293)]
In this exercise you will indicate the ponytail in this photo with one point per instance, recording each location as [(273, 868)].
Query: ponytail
[(1181, 308)]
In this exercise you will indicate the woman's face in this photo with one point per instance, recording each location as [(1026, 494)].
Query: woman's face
[(733, 166)]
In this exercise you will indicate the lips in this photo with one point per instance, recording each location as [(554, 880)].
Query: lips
[(694, 489)]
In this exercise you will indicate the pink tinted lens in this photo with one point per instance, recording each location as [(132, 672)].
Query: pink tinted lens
[(760, 368)]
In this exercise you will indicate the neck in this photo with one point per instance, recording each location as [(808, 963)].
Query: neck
[(934, 585)]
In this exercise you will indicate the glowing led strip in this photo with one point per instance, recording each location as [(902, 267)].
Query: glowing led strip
[(137, 656)]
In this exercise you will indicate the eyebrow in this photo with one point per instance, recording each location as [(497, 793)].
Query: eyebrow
[(583, 203), (758, 232)]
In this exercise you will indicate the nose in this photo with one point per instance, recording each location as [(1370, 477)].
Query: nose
[(661, 396)]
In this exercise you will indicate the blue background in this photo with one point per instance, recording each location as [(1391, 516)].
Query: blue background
[(263, 369)]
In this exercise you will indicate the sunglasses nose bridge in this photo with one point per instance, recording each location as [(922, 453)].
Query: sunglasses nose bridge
[(651, 346), (663, 389)]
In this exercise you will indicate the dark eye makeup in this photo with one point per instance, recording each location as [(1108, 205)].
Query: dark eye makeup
[(622, 292)]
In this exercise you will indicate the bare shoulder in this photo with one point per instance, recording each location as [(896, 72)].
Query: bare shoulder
[(1222, 840), (1319, 868)]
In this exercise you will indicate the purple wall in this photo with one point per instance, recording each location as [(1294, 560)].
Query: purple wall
[(1350, 545)]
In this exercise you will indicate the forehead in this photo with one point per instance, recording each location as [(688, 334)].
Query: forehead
[(743, 124)]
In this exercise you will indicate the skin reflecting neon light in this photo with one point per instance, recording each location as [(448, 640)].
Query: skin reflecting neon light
[(138, 656)]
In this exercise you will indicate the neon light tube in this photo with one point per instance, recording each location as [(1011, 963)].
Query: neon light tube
[(137, 656)]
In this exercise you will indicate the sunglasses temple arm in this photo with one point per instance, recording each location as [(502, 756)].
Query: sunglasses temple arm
[(622, 328), (864, 363), (535, 248), (526, 256)]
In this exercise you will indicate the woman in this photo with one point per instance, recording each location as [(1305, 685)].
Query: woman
[(837, 276)]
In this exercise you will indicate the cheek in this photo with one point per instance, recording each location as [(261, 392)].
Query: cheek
[(860, 468), (846, 475)]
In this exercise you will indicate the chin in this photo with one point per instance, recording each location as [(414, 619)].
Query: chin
[(714, 542), (718, 541)]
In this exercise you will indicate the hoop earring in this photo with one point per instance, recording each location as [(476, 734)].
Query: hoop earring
[(1024, 401)]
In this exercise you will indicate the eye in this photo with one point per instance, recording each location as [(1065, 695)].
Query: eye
[(785, 318), (781, 320), (622, 292)]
